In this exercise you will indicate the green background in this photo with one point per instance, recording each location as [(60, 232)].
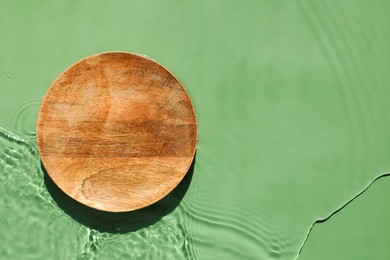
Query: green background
[(292, 104)]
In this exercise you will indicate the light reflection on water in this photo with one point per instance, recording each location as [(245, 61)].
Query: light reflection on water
[(291, 99)]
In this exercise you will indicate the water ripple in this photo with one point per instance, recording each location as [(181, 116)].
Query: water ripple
[(25, 118)]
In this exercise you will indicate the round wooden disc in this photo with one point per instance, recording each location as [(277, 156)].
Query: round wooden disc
[(116, 131)]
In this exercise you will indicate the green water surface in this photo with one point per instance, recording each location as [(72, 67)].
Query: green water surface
[(292, 104)]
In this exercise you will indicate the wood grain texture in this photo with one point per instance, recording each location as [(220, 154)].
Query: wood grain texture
[(116, 131)]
